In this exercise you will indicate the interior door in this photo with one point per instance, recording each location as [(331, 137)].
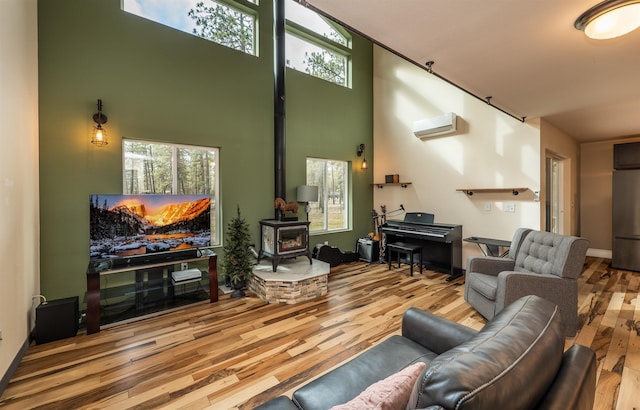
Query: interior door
[(554, 195)]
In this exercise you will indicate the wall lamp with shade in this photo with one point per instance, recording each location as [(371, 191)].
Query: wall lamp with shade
[(610, 19), (306, 194), (99, 135), (361, 154)]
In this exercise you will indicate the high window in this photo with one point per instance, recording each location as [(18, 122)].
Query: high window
[(159, 168), (316, 46), (331, 212), (231, 23)]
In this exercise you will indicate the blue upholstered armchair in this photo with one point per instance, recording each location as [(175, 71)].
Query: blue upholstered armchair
[(539, 263)]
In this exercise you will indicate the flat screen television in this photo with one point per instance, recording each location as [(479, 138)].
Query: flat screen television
[(130, 225)]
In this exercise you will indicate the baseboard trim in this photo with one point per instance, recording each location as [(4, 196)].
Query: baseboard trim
[(14, 366), (599, 253)]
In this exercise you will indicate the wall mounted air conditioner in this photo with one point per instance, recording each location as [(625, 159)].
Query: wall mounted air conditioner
[(439, 125)]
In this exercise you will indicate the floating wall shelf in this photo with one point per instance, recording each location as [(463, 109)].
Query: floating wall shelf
[(471, 191), (381, 184)]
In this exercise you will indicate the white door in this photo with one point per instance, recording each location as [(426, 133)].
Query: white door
[(554, 205)]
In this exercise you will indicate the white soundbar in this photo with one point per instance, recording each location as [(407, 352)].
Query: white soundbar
[(189, 274)]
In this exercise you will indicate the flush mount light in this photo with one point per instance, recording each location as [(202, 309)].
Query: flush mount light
[(610, 19)]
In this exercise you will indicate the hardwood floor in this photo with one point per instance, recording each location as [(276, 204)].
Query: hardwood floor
[(240, 353)]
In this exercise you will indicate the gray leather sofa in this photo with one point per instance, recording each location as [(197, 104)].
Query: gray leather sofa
[(516, 361)]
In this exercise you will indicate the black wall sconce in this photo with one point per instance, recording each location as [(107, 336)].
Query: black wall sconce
[(99, 135), (361, 154)]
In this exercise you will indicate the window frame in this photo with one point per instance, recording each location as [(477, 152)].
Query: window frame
[(216, 212), (347, 207), (246, 7), (318, 40)]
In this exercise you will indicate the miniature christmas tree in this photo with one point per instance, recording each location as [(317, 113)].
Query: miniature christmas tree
[(237, 266)]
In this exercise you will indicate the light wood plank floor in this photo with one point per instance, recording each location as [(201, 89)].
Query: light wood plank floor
[(239, 353)]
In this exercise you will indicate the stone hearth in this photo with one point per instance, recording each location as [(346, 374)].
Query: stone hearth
[(294, 281)]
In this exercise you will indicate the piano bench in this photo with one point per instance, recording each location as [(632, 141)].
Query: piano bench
[(403, 248)]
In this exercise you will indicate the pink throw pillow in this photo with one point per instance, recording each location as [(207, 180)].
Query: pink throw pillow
[(391, 393)]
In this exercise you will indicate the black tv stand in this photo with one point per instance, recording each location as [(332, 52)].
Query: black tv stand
[(155, 266)]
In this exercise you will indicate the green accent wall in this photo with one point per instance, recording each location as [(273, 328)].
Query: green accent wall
[(160, 84)]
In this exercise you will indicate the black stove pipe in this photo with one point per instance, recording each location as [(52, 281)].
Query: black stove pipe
[(279, 103)]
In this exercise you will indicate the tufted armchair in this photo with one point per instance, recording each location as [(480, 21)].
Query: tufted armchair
[(539, 263)]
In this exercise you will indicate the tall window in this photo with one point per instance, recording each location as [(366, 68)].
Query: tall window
[(231, 23), (158, 168), (316, 46), (331, 212)]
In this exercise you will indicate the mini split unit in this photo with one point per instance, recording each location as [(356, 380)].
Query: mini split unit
[(439, 125)]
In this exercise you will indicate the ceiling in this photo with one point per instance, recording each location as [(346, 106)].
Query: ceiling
[(525, 54)]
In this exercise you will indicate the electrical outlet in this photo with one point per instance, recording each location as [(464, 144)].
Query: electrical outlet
[(184, 266), (509, 207)]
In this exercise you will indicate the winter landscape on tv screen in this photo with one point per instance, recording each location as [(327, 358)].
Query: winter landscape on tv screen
[(128, 225)]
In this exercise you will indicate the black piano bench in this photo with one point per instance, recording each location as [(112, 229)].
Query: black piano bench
[(409, 249)]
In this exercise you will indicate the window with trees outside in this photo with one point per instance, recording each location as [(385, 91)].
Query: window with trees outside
[(160, 168), (331, 212), (316, 46), (231, 23)]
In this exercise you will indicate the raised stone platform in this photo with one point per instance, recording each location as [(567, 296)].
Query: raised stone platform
[(294, 281)]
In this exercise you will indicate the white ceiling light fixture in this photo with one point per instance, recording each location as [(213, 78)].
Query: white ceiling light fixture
[(610, 19)]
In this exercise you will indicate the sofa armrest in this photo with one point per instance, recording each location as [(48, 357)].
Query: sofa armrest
[(278, 403), (489, 265), (434, 332), (575, 384)]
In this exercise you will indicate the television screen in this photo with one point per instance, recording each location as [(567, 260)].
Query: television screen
[(128, 225)]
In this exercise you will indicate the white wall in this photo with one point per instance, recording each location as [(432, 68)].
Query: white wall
[(19, 211), (489, 150)]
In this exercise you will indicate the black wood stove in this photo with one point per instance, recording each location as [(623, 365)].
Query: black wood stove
[(283, 239)]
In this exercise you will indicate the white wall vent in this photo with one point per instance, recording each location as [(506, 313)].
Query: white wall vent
[(431, 127)]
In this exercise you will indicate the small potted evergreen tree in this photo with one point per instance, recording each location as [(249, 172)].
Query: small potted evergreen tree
[(237, 265)]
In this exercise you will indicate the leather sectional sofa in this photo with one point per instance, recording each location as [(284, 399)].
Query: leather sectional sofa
[(516, 361)]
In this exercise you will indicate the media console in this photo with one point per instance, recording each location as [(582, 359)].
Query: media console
[(152, 281)]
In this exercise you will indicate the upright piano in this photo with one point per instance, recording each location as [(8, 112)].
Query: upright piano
[(441, 243)]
